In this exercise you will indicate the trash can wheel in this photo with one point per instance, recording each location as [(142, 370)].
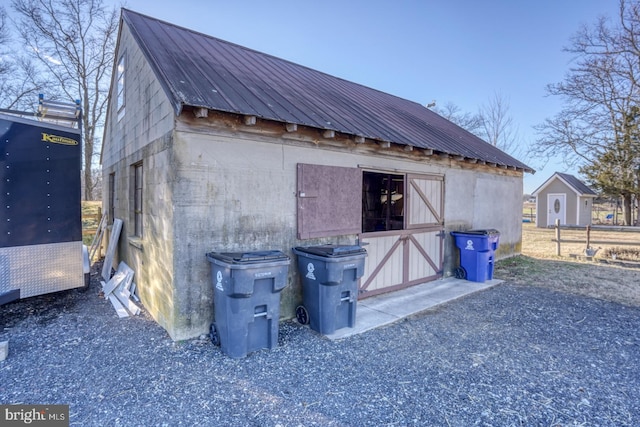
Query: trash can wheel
[(302, 315), (460, 273), (213, 335)]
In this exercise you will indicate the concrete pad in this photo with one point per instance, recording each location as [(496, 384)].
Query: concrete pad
[(388, 308)]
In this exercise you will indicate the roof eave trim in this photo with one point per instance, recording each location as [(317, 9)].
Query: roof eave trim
[(179, 108)]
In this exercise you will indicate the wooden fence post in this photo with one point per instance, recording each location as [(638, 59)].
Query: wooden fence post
[(98, 231), (557, 237), (588, 236)]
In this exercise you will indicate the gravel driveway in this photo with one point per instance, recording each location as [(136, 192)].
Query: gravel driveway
[(509, 356)]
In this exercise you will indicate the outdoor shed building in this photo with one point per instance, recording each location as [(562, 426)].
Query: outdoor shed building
[(566, 198), (210, 146)]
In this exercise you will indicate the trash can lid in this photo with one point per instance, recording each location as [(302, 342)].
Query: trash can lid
[(332, 250), (248, 257), (487, 232)]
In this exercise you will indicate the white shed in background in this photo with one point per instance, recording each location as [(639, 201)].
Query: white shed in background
[(566, 198)]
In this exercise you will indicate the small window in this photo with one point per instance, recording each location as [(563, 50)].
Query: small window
[(112, 197), (120, 87), (382, 202), (137, 200)]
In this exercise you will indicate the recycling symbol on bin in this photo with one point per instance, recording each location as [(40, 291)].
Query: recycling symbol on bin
[(469, 245), (219, 281), (310, 270)]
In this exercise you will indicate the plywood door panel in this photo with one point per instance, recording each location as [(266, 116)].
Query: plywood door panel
[(384, 264), (425, 255), (329, 200), (400, 260), (425, 200)]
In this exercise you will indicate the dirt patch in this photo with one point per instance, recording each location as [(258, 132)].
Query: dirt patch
[(539, 266)]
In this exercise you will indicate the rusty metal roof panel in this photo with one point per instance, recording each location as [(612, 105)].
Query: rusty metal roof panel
[(203, 71)]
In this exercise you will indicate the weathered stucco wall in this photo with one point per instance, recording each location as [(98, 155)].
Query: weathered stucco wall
[(482, 200), (236, 191)]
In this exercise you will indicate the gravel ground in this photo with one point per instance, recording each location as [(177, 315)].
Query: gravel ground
[(514, 355)]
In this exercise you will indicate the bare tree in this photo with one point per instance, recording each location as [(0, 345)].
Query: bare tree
[(4, 41), (601, 92), (493, 123), (20, 81), (497, 126), (73, 43), (453, 113)]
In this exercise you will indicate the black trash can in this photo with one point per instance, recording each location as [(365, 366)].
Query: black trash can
[(330, 276), (246, 297), (477, 251)]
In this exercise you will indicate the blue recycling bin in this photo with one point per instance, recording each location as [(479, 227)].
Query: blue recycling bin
[(477, 250)]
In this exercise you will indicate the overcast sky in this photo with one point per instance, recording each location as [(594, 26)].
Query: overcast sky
[(458, 51)]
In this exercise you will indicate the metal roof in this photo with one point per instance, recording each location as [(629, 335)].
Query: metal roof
[(202, 71), (574, 183), (578, 185)]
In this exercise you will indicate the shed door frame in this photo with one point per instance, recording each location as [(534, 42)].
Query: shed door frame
[(398, 259), (561, 214)]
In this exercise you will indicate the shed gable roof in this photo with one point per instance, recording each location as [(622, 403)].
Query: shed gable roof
[(202, 71), (579, 187)]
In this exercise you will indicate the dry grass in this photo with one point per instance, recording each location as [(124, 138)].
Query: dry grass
[(539, 266), (623, 253), (90, 219), (537, 242)]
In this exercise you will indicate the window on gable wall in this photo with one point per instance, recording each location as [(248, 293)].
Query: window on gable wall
[(136, 213), (120, 87), (112, 197)]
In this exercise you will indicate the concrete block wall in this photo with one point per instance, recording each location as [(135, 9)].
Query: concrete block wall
[(148, 113), (144, 134)]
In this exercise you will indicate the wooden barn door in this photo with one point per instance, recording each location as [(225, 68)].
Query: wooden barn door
[(401, 258)]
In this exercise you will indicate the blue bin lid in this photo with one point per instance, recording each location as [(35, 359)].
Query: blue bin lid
[(487, 232), (248, 257), (332, 250)]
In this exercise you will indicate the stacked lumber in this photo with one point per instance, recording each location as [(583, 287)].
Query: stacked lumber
[(120, 291)]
